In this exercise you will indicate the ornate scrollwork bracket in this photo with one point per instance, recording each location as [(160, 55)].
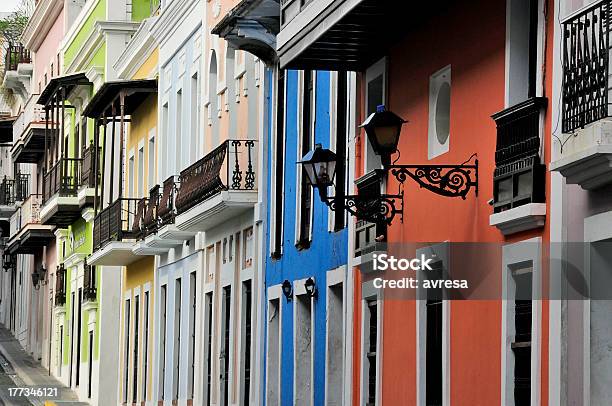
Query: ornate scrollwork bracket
[(375, 209), (445, 180)]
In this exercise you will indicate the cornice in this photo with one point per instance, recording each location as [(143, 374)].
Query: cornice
[(170, 19), (137, 50), (78, 23), (95, 39), (40, 23)]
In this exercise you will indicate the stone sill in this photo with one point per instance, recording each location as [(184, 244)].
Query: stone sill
[(522, 218)]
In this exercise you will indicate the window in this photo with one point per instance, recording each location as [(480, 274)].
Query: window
[(151, 158), (340, 146), (176, 351), (131, 176), (208, 303), (273, 354), (79, 323), (192, 333), (126, 350), (521, 344), (179, 131), (248, 247), (165, 163), (303, 349), (522, 48), (376, 95), (335, 345), (90, 364), (438, 134), (306, 139), (195, 117), (162, 341), (370, 346), (247, 298), (141, 172), (433, 339), (135, 357), (225, 344), (145, 347), (279, 167)]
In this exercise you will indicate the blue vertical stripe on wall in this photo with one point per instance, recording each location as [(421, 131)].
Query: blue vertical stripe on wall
[(327, 251)]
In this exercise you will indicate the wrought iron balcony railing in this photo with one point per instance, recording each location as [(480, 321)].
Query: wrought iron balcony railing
[(15, 54), (230, 166), (519, 175), (32, 114), (14, 190), (60, 286), (122, 219), (27, 213), (87, 176), (89, 283), (586, 55), (62, 178)]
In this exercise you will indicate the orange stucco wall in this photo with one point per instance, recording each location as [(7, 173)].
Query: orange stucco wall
[(471, 38)]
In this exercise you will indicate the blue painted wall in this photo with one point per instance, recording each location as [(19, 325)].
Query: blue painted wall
[(328, 250)]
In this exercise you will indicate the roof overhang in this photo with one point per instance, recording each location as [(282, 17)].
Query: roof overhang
[(134, 92), (252, 26), (67, 82)]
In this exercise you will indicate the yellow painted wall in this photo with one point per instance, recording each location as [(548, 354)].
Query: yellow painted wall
[(144, 120), (148, 69)]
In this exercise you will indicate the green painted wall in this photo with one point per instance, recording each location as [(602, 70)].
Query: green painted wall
[(97, 14)]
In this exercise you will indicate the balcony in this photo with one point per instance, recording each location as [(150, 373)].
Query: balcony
[(252, 26), (13, 191), (60, 185), (29, 134), (17, 69), (218, 187), (28, 234), (115, 231), (343, 34), (586, 156), (90, 292), (87, 176), (159, 232), (518, 179), (60, 286)]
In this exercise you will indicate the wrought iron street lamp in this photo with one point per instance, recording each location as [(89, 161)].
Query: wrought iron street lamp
[(38, 277), (383, 129), (311, 288), (287, 290)]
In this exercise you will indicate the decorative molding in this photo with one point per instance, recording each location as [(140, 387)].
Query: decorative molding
[(74, 259), (96, 38), (170, 19), (88, 214), (61, 233), (138, 50), (40, 23)]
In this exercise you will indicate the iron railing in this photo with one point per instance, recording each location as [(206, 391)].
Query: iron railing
[(32, 114), (519, 175), (89, 283), (122, 219), (150, 221), (87, 175), (230, 166), (14, 190), (27, 213), (15, 54), (60, 285), (586, 54), (62, 178)]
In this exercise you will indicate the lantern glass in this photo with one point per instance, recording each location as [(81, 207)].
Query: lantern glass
[(383, 129), (320, 166)]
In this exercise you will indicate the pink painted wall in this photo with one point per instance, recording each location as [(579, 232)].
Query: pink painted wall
[(47, 54)]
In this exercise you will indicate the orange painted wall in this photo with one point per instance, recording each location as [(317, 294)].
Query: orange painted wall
[(470, 37)]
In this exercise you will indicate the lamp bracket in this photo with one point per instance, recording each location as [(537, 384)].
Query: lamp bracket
[(445, 180), (374, 209)]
